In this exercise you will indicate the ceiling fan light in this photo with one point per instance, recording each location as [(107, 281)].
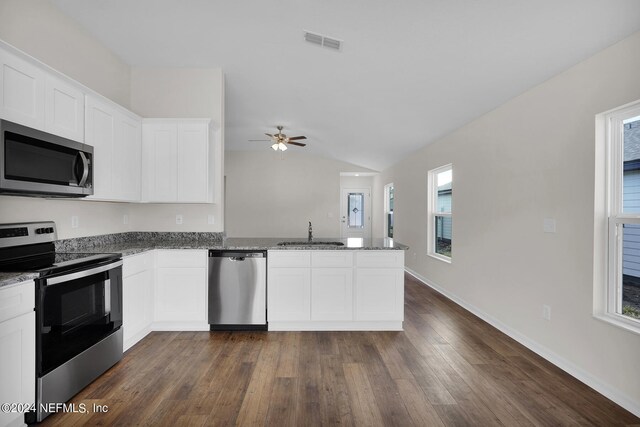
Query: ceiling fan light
[(275, 147), (282, 146)]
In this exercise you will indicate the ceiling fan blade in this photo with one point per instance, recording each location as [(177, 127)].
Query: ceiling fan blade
[(296, 143), (269, 135), (252, 140), (293, 138)]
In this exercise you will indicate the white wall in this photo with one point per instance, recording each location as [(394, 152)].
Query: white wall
[(182, 93), (41, 30), (270, 194), (530, 159)]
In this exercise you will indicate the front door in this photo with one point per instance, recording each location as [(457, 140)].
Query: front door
[(355, 213)]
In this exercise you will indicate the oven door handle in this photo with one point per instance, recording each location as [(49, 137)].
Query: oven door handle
[(81, 274), (107, 296)]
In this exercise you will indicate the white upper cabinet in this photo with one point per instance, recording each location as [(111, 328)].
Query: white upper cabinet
[(159, 162), (22, 91), (177, 164), (116, 139), (128, 157), (64, 109), (34, 96)]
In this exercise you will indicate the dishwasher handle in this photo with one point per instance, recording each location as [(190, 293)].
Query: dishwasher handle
[(236, 255)]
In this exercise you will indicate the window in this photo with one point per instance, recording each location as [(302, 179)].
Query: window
[(388, 210), (355, 209), (622, 293), (440, 220)]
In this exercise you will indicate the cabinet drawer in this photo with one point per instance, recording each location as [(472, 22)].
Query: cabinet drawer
[(134, 264), (332, 259), (182, 258), (289, 258), (380, 259), (17, 299)]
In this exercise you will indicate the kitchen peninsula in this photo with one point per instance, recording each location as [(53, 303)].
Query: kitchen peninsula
[(358, 285)]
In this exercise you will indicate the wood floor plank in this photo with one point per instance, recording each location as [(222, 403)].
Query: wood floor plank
[(256, 401), (363, 403), (335, 407), (446, 368), (422, 413)]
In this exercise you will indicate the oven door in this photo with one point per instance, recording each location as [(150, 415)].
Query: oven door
[(75, 311)]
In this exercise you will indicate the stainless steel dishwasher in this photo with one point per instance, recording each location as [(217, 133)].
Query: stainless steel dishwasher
[(237, 290)]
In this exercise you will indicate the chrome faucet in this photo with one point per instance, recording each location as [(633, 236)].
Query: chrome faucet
[(310, 232)]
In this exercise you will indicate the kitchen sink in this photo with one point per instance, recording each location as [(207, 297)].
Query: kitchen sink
[(312, 243)]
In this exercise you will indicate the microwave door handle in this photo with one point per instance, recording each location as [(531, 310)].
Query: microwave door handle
[(85, 169)]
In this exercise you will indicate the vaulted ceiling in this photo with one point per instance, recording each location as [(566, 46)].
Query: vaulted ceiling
[(409, 71)]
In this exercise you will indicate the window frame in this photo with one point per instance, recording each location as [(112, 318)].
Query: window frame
[(387, 210), (607, 302), (432, 213)]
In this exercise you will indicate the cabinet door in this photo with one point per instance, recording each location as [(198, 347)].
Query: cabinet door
[(17, 364), (193, 161), (21, 91), (137, 301), (127, 156), (64, 109), (379, 294), (181, 294), (331, 294), (101, 133), (159, 167), (289, 294)]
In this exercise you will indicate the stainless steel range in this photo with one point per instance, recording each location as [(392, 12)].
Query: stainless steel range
[(78, 310)]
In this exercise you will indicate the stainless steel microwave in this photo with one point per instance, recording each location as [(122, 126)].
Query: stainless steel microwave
[(36, 163)]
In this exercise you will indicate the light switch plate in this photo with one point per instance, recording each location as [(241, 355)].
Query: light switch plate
[(211, 219), (75, 221), (179, 219), (549, 225)]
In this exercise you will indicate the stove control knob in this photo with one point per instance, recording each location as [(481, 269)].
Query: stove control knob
[(50, 230), (39, 230)]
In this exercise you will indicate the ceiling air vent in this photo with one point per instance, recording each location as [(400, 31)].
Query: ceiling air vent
[(321, 40)]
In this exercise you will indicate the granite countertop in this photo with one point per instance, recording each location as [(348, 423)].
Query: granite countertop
[(11, 278), (129, 248), (133, 243)]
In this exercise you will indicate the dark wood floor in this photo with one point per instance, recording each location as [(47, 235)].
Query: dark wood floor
[(447, 368)]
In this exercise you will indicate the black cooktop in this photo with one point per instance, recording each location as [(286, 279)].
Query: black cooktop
[(30, 247)]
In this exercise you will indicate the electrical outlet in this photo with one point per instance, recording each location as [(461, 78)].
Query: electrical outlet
[(211, 219), (549, 225), (179, 219), (125, 219), (546, 312), (75, 221)]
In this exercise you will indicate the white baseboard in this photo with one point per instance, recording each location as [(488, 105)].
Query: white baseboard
[(176, 326), (606, 390), (336, 326)]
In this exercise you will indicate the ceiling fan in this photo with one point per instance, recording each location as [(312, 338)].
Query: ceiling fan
[(280, 140)]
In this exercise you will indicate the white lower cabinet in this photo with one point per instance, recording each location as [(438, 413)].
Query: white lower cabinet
[(18, 344), (164, 290), (332, 294), (379, 294), (379, 289), (289, 294), (335, 290), (181, 290), (137, 297)]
